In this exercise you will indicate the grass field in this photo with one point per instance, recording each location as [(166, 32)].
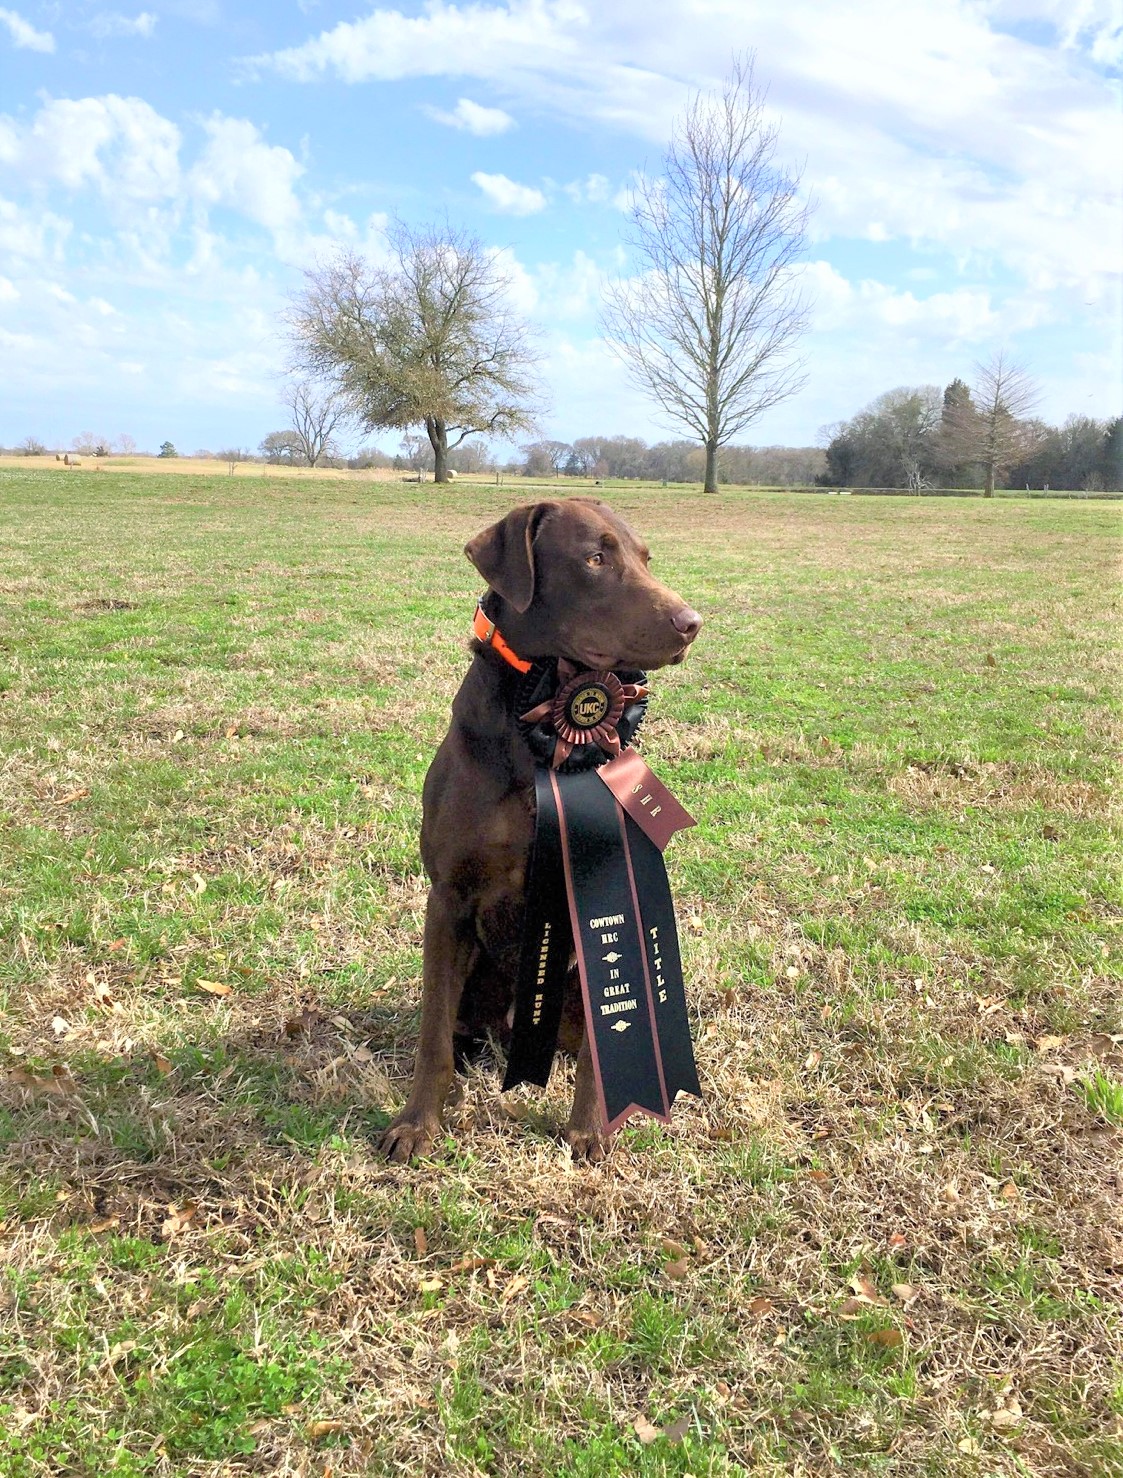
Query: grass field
[(890, 1241)]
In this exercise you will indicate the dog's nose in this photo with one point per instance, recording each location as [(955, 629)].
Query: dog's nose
[(687, 622)]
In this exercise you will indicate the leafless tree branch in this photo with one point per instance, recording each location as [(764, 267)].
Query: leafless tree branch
[(708, 327)]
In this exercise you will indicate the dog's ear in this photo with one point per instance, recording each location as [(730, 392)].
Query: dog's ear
[(504, 553)]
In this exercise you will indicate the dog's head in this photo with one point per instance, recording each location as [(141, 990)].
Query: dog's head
[(575, 582)]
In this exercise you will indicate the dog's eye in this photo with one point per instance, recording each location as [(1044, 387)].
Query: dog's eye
[(594, 559)]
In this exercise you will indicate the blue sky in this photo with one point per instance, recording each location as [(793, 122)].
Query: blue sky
[(168, 170)]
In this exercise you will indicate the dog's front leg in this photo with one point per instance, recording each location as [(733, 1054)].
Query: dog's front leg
[(585, 1132), (449, 953)]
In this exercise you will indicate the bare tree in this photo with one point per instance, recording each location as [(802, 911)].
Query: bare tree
[(991, 427), (125, 445), (429, 341), (316, 417), (416, 452), (709, 325), (546, 458), (232, 455)]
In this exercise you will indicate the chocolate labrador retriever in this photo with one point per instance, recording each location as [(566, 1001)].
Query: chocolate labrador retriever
[(567, 579)]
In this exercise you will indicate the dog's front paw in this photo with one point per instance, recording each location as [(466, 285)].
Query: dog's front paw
[(586, 1143), (408, 1139)]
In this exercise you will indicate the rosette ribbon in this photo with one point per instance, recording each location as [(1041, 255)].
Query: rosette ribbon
[(597, 889)]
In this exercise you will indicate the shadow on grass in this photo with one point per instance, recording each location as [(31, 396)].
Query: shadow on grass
[(214, 1120)]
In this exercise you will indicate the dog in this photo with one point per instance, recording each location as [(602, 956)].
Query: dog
[(565, 579)]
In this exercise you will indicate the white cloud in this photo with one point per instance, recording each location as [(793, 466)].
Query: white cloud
[(238, 170), (473, 118), (32, 235), (130, 154), (109, 23), (9, 292), (475, 40), (508, 196), (594, 189), (1094, 25), (24, 34), (119, 144)]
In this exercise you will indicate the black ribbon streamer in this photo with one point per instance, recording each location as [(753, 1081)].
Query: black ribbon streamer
[(597, 887), (547, 943)]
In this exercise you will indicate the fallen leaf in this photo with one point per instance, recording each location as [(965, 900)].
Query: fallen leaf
[(990, 661), (897, 1240), (646, 1431), (1099, 1044), (179, 1218), (813, 1060), (117, 944), (1049, 1043), (470, 1264), (516, 1285), (1060, 1070), (969, 1445), (820, 1177), (866, 1290), (678, 1269), (905, 1292), (672, 1248), (73, 795), (694, 924), (852, 1308), (163, 1066), (103, 996), (1006, 1419), (200, 883), (106, 1224), (231, 731), (889, 1339), (951, 1193), (302, 1022), (60, 1026), (214, 987), (1009, 1191), (323, 1428), (760, 1307), (675, 1431), (60, 1082), (118, 1352), (420, 1242), (430, 1285)]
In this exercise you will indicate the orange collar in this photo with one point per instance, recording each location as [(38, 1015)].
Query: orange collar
[(487, 632)]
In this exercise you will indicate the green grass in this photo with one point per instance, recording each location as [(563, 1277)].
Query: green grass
[(218, 699)]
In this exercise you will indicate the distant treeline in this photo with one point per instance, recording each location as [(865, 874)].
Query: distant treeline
[(918, 437)]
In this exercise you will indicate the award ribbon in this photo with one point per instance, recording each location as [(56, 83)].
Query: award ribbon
[(597, 886)]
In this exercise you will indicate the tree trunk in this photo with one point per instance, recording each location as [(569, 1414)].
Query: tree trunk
[(710, 484), (988, 484), (438, 440)]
